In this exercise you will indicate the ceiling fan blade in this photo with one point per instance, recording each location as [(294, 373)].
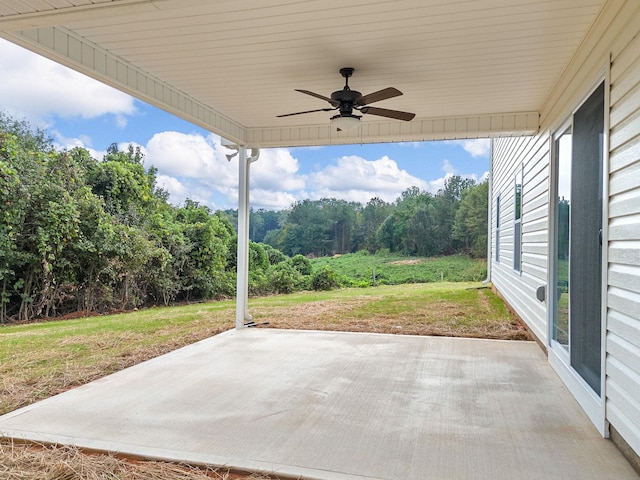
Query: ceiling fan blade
[(333, 102), (383, 112), (379, 95), (308, 111)]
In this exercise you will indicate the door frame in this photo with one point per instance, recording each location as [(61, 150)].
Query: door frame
[(593, 405)]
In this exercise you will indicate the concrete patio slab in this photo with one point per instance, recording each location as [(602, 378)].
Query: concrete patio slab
[(326, 405)]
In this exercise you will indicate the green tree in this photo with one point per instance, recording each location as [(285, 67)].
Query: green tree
[(124, 185), (369, 220), (470, 224), (207, 237), (446, 205)]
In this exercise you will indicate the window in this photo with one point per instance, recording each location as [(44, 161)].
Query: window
[(517, 223), (498, 228)]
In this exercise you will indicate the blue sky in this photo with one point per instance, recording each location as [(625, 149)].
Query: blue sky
[(191, 163)]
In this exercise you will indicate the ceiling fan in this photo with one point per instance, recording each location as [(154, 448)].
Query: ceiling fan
[(347, 100)]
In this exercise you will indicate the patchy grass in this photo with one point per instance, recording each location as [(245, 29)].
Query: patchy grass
[(43, 359), (444, 309), (358, 269)]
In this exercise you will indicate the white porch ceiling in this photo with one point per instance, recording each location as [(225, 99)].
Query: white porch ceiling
[(467, 68)]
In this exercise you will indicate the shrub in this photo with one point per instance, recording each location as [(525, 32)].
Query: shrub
[(275, 255), (284, 278), (258, 283), (325, 279), (301, 264), (258, 258)]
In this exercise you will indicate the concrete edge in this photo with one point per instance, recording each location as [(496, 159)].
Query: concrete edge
[(137, 452)]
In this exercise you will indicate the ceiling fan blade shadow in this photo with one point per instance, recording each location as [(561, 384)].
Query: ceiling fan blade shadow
[(333, 102), (383, 94), (383, 112), (308, 111)]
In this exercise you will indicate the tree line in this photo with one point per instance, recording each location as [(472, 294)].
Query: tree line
[(454, 220), (79, 234)]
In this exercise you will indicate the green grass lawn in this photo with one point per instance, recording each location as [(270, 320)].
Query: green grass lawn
[(390, 269)]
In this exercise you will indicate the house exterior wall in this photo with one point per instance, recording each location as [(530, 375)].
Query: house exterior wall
[(623, 288), (611, 51), (530, 156)]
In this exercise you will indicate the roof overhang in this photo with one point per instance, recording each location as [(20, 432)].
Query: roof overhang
[(467, 69)]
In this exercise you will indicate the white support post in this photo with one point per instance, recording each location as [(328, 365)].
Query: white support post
[(242, 284)]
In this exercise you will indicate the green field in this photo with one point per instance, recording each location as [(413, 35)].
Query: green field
[(362, 269)]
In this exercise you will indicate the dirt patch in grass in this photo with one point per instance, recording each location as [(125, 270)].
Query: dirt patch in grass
[(409, 261)]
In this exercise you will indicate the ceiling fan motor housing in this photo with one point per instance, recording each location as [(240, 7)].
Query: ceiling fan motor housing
[(347, 99)]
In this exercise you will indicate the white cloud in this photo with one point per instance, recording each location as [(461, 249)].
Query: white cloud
[(277, 169), (438, 183), (63, 143), (36, 88), (177, 191), (190, 156), (479, 147), (448, 168), (271, 200), (193, 166), (356, 179)]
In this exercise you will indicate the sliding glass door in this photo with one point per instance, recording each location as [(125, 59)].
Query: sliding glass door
[(576, 326)]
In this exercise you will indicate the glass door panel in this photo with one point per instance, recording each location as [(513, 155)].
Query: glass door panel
[(560, 327), (576, 327), (585, 264)]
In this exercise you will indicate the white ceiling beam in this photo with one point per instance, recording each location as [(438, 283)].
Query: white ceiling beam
[(77, 53), (419, 129)]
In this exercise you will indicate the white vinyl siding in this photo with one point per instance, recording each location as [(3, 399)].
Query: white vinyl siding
[(497, 235), (530, 157), (623, 292), (615, 37)]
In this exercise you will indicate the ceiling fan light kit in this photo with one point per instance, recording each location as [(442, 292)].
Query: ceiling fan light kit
[(344, 123), (347, 100)]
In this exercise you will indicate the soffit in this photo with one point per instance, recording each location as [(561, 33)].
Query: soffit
[(466, 68)]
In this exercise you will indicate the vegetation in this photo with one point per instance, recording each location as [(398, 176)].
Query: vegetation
[(418, 223), (81, 235), (384, 268), (85, 235)]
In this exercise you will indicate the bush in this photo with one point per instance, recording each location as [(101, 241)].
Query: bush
[(325, 279), (275, 255), (258, 283), (284, 278), (301, 264), (258, 258)]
